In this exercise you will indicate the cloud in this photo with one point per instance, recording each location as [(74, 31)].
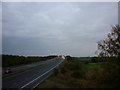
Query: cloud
[(57, 28)]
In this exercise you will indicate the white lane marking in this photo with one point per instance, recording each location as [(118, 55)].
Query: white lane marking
[(41, 81), (39, 76)]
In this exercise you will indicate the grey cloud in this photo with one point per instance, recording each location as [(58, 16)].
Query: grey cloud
[(57, 28)]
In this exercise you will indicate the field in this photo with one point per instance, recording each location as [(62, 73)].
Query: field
[(83, 58)]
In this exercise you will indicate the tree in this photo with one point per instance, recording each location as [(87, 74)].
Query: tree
[(68, 57), (110, 47)]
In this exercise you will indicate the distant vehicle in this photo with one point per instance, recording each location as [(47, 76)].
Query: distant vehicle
[(61, 56), (8, 70)]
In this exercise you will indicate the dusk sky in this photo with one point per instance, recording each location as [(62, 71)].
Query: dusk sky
[(56, 28)]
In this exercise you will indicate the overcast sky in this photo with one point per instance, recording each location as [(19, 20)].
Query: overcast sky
[(56, 28)]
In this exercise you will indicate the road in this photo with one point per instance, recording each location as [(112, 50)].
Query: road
[(19, 68), (31, 78)]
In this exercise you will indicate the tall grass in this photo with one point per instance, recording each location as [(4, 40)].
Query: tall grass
[(78, 74)]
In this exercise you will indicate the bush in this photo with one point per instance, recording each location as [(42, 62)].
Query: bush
[(63, 70), (111, 74), (76, 74), (56, 71), (105, 76)]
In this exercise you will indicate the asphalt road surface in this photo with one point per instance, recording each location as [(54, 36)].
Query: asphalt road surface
[(31, 78), (19, 68)]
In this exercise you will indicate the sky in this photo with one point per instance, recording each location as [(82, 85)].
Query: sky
[(56, 28)]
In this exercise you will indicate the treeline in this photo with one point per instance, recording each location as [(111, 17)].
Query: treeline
[(94, 59), (105, 59), (14, 60)]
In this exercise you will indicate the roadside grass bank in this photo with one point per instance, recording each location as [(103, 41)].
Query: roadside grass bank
[(74, 74), (23, 70)]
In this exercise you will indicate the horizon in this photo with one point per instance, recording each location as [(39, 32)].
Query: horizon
[(46, 55)]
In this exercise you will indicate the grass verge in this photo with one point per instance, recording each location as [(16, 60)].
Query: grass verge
[(74, 74)]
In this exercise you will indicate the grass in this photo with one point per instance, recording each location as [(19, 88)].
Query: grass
[(92, 65), (24, 70), (91, 76), (22, 64), (51, 84), (61, 79), (82, 58)]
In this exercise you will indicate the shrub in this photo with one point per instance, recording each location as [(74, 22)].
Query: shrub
[(107, 75), (56, 71), (76, 74), (63, 70)]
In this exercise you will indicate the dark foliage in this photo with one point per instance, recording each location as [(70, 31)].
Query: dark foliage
[(14, 60), (110, 47)]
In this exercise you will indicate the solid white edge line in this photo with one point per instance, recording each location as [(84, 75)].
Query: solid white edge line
[(39, 76), (40, 82)]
